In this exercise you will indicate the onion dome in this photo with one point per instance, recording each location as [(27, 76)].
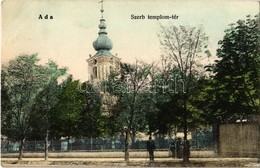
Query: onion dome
[(102, 42)]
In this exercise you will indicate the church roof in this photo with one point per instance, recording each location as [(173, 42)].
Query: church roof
[(102, 44)]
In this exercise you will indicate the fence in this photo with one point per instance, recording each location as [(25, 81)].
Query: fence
[(100, 144), (240, 139)]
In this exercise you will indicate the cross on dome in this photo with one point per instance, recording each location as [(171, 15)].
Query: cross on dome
[(101, 10), (102, 44)]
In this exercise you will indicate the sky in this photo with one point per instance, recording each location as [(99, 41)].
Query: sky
[(68, 37)]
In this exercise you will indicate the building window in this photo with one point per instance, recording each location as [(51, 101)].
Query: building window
[(95, 72), (95, 62)]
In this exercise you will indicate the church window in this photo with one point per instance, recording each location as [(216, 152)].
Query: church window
[(95, 72)]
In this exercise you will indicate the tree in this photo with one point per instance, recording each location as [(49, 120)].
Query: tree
[(23, 79), (46, 100), (168, 87), (184, 45), (231, 93), (237, 72), (160, 102), (130, 90), (91, 120), (5, 104), (65, 114), (77, 112)]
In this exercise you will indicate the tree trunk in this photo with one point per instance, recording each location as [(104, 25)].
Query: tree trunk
[(258, 144), (46, 145), (133, 136), (21, 149), (68, 146), (127, 143), (216, 135), (186, 149), (258, 137)]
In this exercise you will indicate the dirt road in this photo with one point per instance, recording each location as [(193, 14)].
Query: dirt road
[(135, 162)]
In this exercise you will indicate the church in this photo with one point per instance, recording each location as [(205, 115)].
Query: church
[(103, 62)]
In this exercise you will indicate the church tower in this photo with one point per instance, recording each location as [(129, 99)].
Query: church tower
[(103, 62)]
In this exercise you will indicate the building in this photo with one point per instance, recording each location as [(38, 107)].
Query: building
[(103, 62)]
